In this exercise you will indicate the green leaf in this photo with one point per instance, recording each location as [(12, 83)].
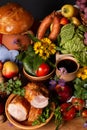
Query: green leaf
[(31, 63), (67, 32), (28, 65), (30, 51), (36, 62), (34, 39), (21, 56), (80, 88)]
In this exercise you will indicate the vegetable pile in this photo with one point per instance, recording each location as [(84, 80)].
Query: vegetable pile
[(71, 41)]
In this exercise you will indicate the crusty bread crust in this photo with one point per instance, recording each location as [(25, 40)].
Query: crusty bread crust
[(14, 19)]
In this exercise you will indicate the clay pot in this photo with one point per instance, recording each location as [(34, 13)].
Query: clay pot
[(69, 63)]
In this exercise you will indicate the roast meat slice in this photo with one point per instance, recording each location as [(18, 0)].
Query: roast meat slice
[(37, 94), (19, 108), (34, 114)]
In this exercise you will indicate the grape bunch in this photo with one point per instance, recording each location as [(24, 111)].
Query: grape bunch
[(82, 4), (85, 38)]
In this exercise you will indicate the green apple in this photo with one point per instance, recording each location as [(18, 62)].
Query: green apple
[(68, 10), (10, 69)]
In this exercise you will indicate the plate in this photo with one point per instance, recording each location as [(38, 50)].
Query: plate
[(24, 125)]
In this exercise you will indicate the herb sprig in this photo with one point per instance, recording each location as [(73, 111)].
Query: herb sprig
[(44, 116), (58, 117), (80, 88), (12, 86)]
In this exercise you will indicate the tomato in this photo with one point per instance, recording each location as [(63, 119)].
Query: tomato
[(68, 111), (69, 114), (64, 21), (64, 106), (43, 70), (84, 113), (78, 103)]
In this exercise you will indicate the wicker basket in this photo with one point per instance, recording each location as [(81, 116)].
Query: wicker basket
[(84, 20)]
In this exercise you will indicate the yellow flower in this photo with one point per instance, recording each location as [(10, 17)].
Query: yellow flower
[(46, 40), (37, 47), (82, 73), (85, 67), (44, 54), (45, 48), (85, 71), (52, 49), (79, 75), (84, 77)]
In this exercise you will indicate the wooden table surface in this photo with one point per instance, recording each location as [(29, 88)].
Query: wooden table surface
[(75, 124)]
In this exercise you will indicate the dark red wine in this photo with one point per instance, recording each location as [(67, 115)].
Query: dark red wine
[(68, 64)]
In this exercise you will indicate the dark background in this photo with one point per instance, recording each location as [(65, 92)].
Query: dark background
[(40, 8)]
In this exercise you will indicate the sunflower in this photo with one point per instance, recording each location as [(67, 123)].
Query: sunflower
[(44, 48)]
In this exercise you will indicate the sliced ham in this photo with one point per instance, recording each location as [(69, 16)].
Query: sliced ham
[(36, 94), (19, 108), (39, 101)]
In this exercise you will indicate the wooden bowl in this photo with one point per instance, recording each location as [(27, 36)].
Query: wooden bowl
[(38, 79), (24, 125)]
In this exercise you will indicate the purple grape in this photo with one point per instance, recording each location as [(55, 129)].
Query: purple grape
[(83, 1), (85, 10), (82, 4), (85, 41), (78, 3), (82, 7), (85, 15), (85, 35)]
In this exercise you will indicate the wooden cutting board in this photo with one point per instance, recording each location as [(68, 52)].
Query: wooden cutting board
[(75, 124)]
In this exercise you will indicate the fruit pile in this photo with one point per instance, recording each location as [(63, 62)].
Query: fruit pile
[(70, 98), (36, 60)]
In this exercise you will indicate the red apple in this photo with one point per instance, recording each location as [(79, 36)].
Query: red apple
[(64, 92), (10, 69)]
